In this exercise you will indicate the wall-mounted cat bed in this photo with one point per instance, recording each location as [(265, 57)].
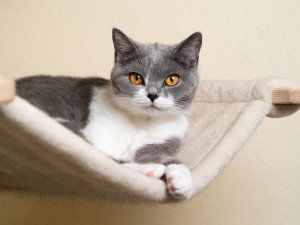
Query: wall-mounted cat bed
[(39, 155)]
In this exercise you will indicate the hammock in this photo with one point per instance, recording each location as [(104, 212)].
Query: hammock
[(38, 155)]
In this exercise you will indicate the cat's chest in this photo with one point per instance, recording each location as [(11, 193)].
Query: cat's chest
[(120, 136)]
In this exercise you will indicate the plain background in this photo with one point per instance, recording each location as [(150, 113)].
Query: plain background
[(242, 39)]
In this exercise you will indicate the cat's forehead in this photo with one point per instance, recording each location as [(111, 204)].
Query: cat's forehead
[(155, 59), (155, 51)]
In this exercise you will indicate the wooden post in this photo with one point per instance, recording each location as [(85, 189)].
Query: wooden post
[(7, 91)]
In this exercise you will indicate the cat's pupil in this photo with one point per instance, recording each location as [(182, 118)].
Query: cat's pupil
[(137, 77), (172, 79)]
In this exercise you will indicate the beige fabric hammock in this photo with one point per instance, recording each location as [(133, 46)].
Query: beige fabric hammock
[(38, 155)]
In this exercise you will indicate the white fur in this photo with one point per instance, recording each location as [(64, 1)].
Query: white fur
[(119, 134)]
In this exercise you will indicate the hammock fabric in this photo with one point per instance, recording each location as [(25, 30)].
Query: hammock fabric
[(38, 155)]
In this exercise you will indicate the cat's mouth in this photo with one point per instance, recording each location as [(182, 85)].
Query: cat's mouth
[(157, 107), (152, 107)]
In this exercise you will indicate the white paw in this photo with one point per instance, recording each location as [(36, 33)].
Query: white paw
[(179, 181), (150, 170)]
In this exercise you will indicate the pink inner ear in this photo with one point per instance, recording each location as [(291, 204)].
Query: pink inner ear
[(189, 55)]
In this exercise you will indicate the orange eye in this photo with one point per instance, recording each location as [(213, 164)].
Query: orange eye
[(136, 78), (172, 80)]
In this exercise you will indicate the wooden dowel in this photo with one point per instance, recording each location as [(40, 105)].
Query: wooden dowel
[(7, 91), (286, 96)]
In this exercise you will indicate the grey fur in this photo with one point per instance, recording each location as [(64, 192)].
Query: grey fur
[(61, 97), (159, 153)]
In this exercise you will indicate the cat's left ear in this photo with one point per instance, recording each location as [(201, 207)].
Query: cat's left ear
[(187, 52), (124, 46)]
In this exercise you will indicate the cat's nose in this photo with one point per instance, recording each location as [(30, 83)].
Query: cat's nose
[(152, 96)]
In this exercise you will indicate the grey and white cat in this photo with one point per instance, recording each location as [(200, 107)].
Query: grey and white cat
[(138, 117)]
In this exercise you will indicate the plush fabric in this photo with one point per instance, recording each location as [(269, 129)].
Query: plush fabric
[(38, 155)]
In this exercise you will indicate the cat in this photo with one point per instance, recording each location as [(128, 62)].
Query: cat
[(138, 116)]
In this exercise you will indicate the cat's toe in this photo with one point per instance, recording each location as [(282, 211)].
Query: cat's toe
[(150, 170), (179, 181), (154, 170)]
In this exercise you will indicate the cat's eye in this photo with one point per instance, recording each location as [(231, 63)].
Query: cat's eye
[(172, 80), (136, 78)]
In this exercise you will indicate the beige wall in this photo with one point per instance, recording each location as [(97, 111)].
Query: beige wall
[(241, 40)]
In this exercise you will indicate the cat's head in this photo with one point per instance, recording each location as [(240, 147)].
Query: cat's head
[(155, 79)]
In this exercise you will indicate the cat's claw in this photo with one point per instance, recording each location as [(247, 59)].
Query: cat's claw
[(179, 181)]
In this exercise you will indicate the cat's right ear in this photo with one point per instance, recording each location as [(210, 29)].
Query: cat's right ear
[(124, 46)]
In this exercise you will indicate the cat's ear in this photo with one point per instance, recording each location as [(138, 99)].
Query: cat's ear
[(187, 52), (124, 46)]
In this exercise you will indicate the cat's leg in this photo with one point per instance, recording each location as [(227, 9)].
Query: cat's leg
[(151, 169), (178, 176)]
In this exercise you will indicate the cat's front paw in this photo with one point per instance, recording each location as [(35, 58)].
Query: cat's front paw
[(179, 181)]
